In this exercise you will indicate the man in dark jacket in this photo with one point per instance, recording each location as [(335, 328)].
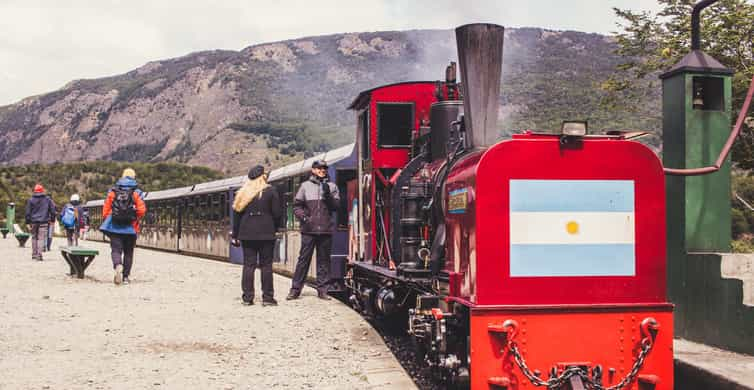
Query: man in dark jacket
[(316, 201), (40, 210)]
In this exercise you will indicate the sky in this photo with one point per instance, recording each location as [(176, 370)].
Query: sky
[(44, 44)]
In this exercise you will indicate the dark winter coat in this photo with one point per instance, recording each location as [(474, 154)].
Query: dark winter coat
[(314, 207), (260, 219), (40, 209)]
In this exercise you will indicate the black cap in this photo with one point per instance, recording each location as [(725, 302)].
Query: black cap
[(319, 164), (256, 172)]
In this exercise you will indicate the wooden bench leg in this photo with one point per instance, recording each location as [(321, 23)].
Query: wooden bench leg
[(70, 263), (22, 241), (86, 261), (78, 262)]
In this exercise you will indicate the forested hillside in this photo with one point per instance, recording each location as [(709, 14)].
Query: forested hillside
[(91, 180)]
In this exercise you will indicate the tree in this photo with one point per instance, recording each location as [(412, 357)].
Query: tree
[(650, 44)]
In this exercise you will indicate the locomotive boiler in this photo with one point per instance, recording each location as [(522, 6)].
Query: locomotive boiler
[(535, 261)]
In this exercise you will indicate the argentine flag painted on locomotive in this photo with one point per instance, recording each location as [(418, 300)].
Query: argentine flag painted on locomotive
[(572, 228)]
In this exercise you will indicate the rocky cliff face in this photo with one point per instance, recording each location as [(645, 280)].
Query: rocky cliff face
[(204, 108)]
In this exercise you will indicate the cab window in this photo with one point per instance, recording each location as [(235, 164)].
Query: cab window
[(394, 124)]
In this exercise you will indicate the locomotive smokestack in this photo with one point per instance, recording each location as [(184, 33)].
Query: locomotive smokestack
[(480, 54)]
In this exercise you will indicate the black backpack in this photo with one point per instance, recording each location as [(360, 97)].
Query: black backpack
[(124, 210)]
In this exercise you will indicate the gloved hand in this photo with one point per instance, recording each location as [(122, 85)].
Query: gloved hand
[(325, 188)]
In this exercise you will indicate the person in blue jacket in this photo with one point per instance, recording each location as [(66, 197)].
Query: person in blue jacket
[(72, 216), (121, 213)]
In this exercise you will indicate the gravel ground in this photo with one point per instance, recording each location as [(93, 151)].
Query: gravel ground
[(178, 325)]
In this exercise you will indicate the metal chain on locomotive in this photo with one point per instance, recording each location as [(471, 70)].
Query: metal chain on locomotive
[(593, 382), (589, 382)]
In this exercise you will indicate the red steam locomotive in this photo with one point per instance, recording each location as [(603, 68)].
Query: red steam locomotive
[(535, 261)]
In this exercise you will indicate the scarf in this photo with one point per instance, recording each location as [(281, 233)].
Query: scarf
[(250, 190)]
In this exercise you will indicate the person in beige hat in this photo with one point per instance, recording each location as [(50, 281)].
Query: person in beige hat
[(122, 211)]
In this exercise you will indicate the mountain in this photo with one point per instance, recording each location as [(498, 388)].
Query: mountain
[(275, 102)]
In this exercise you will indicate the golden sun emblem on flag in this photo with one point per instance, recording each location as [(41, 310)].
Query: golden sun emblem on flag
[(572, 227)]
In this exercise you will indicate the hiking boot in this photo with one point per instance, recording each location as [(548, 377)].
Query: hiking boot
[(323, 295), (292, 295), (118, 277), (269, 302)]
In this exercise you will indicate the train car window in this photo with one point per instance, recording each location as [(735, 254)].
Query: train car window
[(95, 217), (180, 212), (190, 212), (297, 184), (287, 201), (196, 215), (394, 124), (223, 207), (201, 209), (171, 213), (211, 208), (216, 212), (169, 207), (364, 127), (344, 176), (216, 208), (282, 190), (154, 210)]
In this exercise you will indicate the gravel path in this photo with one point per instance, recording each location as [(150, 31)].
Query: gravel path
[(178, 325)]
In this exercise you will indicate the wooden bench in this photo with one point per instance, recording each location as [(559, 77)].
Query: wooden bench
[(22, 238), (4, 231), (78, 258)]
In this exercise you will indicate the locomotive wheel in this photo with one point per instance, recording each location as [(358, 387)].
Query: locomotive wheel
[(461, 381)]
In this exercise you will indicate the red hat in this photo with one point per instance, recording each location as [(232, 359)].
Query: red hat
[(38, 188)]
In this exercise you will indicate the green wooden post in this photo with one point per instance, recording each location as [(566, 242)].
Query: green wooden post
[(696, 123), (696, 111), (10, 217)]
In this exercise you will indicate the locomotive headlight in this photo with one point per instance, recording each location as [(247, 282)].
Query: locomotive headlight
[(573, 128)]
